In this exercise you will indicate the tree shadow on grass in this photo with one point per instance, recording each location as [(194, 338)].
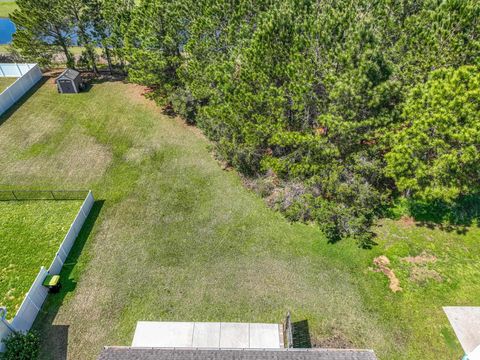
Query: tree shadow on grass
[(6, 115), (451, 217), (89, 81), (53, 337)]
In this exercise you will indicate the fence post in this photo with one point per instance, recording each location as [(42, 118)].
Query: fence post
[(289, 330), (19, 70)]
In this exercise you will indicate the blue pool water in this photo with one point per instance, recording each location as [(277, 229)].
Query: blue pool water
[(7, 28)]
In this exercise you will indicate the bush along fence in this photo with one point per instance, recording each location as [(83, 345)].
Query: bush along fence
[(37, 294), (28, 75)]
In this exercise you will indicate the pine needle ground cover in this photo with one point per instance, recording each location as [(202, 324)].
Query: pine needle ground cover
[(30, 235), (6, 82), (177, 238)]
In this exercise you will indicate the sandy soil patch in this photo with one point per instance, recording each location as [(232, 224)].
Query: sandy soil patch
[(423, 258), (407, 221), (421, 275), (382, 263)]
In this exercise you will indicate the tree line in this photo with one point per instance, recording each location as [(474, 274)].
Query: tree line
[(335, 108), (47, 28)]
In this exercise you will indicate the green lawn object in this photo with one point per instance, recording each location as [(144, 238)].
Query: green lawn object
[(52, 282)]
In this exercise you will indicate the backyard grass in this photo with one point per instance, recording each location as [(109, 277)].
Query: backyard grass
[(4, 49), (6, 82), (178, 238), (30, 234), (6, 8)]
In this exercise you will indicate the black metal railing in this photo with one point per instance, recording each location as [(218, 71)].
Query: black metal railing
[(19, 195), (288, 331)]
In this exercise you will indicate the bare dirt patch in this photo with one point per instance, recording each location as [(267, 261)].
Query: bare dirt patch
[(423, 258), (335, 341), (382, 263), (407, 221), (421, 275)]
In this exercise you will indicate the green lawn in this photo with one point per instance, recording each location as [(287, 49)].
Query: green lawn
[(30, 234), (177, 238), (4, 49), (6, 7), (6, 82)]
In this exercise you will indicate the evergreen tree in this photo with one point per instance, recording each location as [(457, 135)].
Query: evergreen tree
[(43, 29), (436, 153)]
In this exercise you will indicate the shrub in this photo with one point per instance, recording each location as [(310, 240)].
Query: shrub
[(21, 346)]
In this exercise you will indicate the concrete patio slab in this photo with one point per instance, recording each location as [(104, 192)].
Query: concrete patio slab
[(163, 334), (264, 336), (206, 335), (465, 321), (235, 336), (158, 334)]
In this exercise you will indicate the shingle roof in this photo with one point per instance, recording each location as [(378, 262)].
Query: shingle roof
[(70, 74), (128, 353)]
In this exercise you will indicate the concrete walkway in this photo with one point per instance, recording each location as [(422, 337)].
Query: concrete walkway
[(207, 335), (465, 321)]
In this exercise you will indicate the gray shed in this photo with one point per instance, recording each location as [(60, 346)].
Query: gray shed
[(69, 82)]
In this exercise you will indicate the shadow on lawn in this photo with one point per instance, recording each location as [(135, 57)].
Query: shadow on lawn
[(22, 100), (456, 216), (301, 334), (55, 337)]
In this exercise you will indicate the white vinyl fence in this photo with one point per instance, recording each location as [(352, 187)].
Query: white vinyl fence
[(33, 301), (5, 328), (72, 234), (27, 76)]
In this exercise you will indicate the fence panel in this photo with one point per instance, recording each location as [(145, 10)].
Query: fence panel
[(15, 70), (5, 328), (27, 74), (10, 70), (72, 234), (31, 304)]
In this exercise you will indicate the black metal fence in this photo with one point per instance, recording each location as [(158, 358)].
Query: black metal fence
[(18, 195), (288, 331)]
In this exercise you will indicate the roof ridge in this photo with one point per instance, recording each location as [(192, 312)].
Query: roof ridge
[(238, 349)]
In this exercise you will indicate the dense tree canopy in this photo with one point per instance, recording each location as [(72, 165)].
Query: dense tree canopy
[(436, 153), (307, 96)]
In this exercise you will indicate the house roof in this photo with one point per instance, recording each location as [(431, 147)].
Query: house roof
[(129, 353), (69, 74)]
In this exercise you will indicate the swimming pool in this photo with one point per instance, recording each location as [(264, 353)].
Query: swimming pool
[(7, 28)]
